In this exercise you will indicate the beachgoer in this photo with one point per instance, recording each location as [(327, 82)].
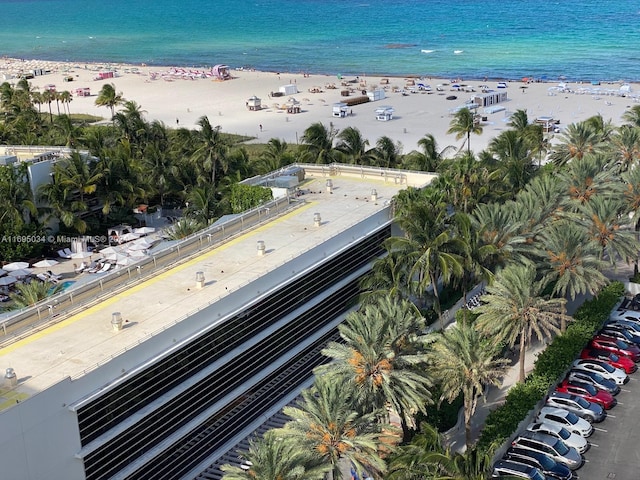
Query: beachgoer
[(260, 127), (177, 121)]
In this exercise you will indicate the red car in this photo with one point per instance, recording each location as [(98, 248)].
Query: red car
[(617, 361), (601, 342), (588, 392)]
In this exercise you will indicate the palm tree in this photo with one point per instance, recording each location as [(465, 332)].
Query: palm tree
[(632, 116), (515, 166), (465, 363), (202, 204), (514, 308), (576, 141), (386, 153), (463, 125), (326, 424), (108, 97), (429, 158), (275, 156), (388, 277), (353, 146), (210, 151), (379, 359), (318, 143), (587, 178), (569, 261), (625, 147), (183, 228), (272, 458), (430, 246), (27, 294), (605, 220), (66, 98)]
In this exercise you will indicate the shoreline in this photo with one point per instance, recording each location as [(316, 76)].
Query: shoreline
[(179, 99)]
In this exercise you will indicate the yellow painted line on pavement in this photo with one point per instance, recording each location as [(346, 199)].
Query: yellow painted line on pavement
[(136, 288)]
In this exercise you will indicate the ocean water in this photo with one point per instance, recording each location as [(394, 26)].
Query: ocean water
[(585, 40)]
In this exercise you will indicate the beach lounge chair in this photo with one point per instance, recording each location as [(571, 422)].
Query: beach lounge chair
[(64, 253), (105, 268), (81, 268), (43, 277)]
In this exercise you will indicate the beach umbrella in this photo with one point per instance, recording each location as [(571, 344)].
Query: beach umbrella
[(22, 272), (127, 237), (81, 255), (10, 267), (45, 263), (5, 281), (2, 272), (109, 250), (144, 230), (137, 247), (124, 261), (137, 253), (115, 257)]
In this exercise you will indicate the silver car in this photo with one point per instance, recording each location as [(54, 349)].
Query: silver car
[(569, 438), (591, 412), (566, 419), (551, 446)]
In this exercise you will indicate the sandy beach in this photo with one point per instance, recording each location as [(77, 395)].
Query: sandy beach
[(178, 97)]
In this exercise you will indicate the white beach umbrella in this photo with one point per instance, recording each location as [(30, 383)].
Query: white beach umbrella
[(144, 230), (2, 272), (10, 267), (45, 263), (22, 272), (136, 253), (115, 257), (81, 255), (124, 261), (135, 246), (5, 281), (127, 237), (109, 250)]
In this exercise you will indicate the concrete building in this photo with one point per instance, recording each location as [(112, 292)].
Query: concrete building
[(159, 380)]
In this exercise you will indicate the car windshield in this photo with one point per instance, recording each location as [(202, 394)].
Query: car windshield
[(622, 345), (537, 475), (597, 377), (545, 462), (564, 433), (572, 417), (614, 358), (582, 402), (591, 390), (561, 448)]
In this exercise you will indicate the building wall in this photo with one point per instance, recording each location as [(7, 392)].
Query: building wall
[(39, 438)]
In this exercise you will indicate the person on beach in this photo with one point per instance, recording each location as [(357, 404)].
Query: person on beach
[(260, 127)]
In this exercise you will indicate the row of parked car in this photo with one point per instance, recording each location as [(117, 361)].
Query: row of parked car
[(552, 447)]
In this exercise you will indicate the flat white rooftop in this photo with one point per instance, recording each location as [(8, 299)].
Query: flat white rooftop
[(80, 342)]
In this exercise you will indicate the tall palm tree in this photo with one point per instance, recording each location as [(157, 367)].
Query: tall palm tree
[(587, 178), (379, 359), (632, 116), (463, 125), (429, 245), (326, 424), (389, 277), (318, 143), (606, 222), (576, 141), (514, 308), (386, 153), (429, 158), (625, 147), (108, 97), (272, 458), (514, 155), (275, 156), (210, 151), (465, 363), (569, 261), (202, 204), (353, 146)]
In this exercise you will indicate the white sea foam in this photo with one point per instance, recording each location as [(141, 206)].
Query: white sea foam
[(427, 51)]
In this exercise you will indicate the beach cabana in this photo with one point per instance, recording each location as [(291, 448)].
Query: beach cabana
[(340, 110), (290, 89), (254, 103), (221, 72), (384, 114)]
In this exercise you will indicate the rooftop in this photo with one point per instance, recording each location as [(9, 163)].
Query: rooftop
[(78, 343)]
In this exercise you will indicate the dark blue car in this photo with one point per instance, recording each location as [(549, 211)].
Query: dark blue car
[(542, 462)]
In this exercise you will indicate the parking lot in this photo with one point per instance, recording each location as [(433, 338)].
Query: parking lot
[(615, 443)]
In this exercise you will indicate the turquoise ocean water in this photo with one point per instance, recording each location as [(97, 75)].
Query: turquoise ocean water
[(586, 40)]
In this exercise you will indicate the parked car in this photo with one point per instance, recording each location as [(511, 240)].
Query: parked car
[(629, 325), (625, 315), (619, 331), (591, 412), (569, 438), (507, 469), (608, 371), (594, 379), (551, 446), (603, 356), (588, 392), (566, 419), (616, 346), (547, 465)]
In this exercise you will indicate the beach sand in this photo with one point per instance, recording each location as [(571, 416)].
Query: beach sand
[(181, 102)]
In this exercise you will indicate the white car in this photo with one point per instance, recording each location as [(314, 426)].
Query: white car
[(566, 419), (570, 439), (625, 315), (603, 368)]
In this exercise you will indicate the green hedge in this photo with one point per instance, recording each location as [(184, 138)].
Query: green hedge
[(549, 366)]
